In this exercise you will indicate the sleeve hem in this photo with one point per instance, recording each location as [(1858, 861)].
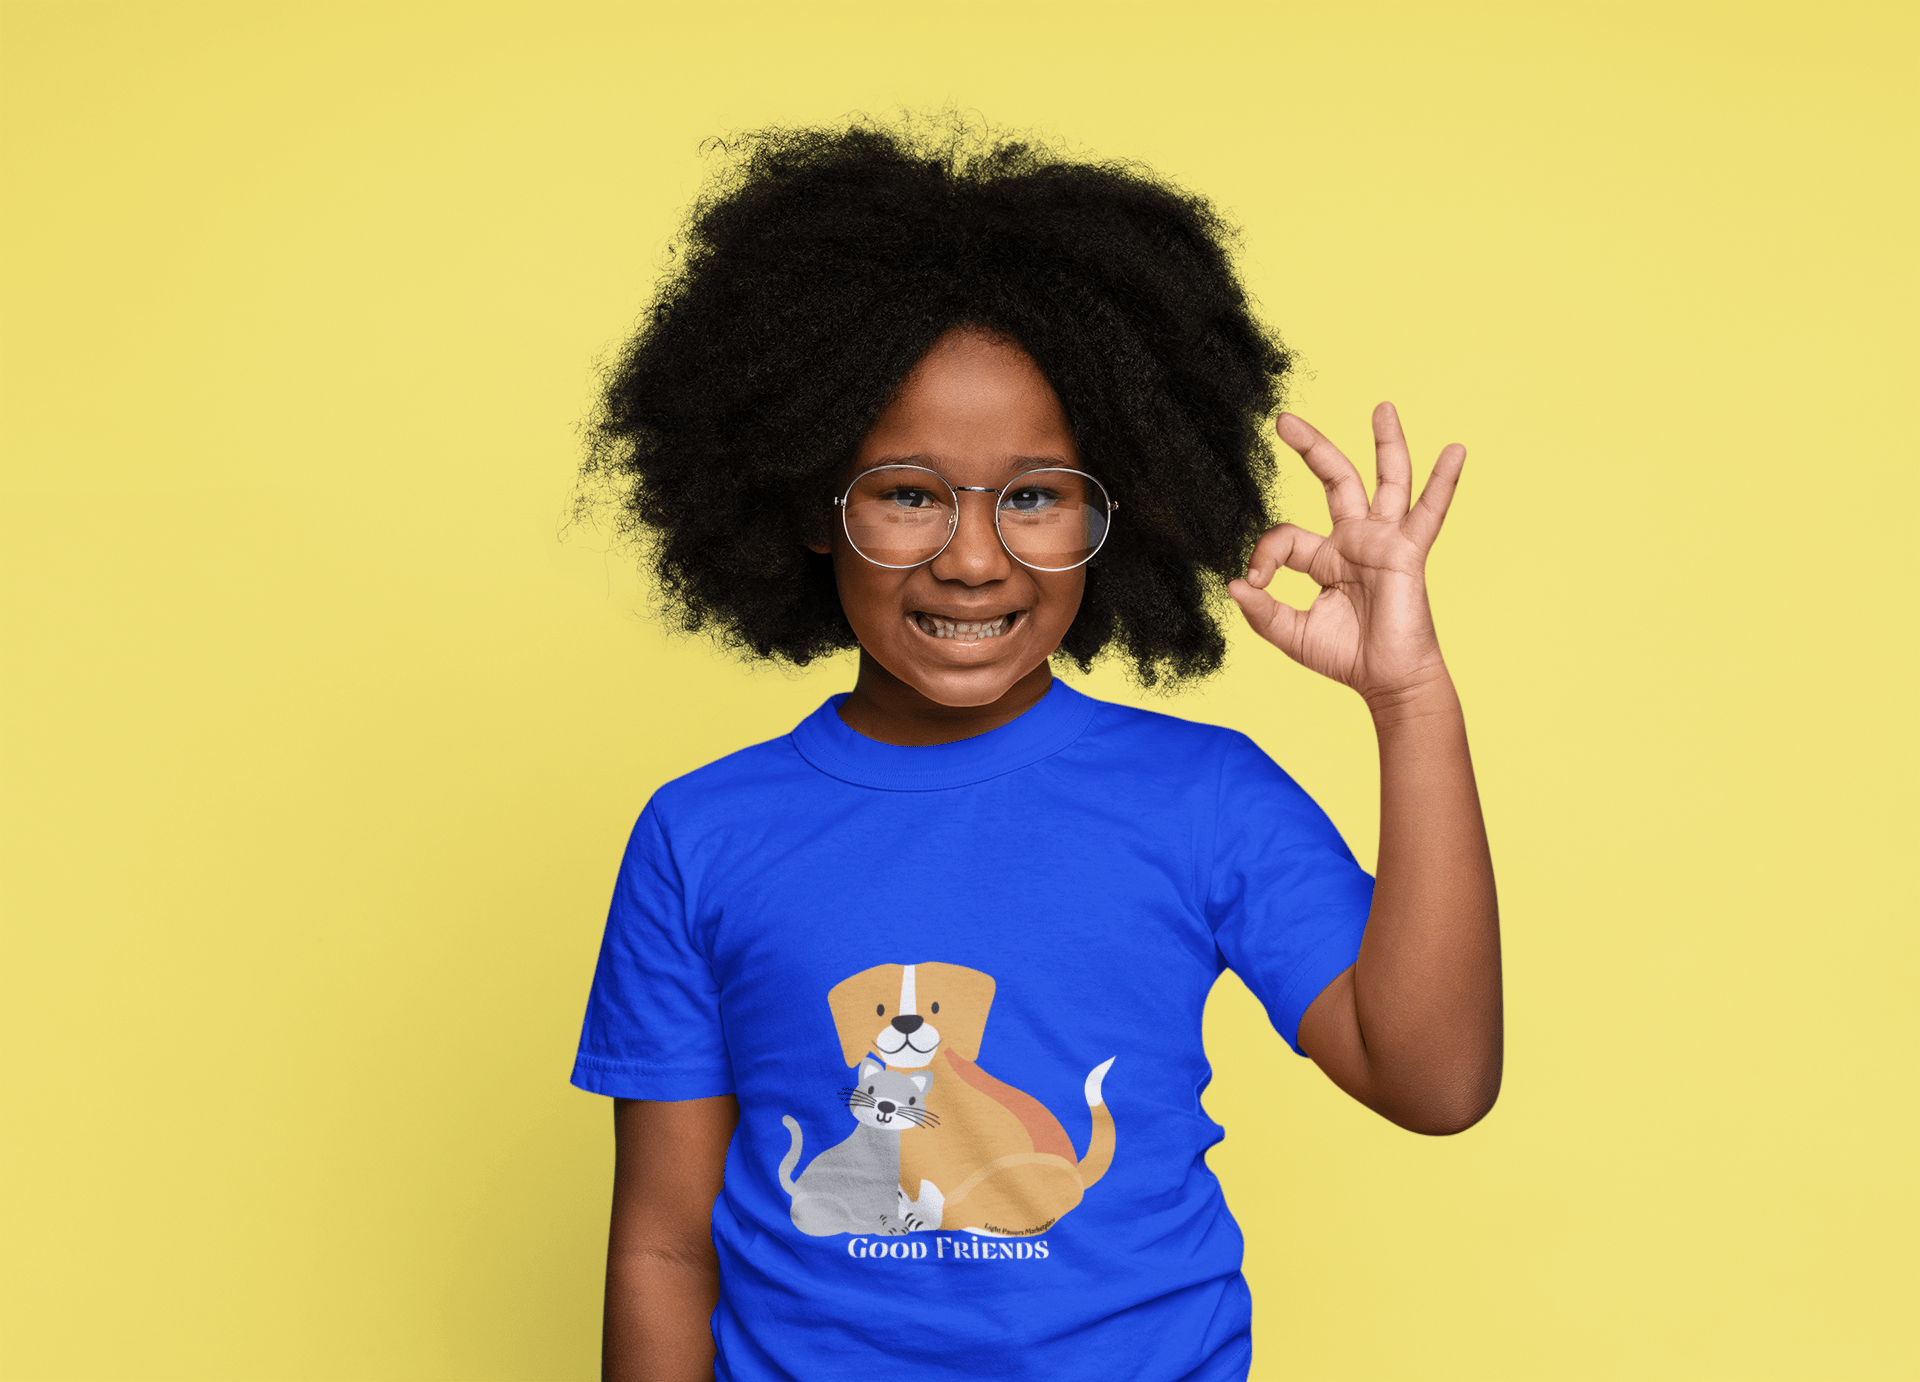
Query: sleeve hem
[(603, 1077), (1309, 980)]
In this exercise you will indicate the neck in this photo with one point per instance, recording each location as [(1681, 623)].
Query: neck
[(886, 708)]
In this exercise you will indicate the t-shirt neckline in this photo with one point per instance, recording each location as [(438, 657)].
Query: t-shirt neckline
[(835, 748)]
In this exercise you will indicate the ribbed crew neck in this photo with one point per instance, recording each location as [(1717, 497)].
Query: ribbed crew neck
[(835, 748)]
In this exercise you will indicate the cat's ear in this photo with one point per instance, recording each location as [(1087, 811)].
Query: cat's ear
[(870, 1067), (921, 1081)]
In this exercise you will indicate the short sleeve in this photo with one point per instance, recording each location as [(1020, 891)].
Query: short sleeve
[(1286, 901), (653, 1016)]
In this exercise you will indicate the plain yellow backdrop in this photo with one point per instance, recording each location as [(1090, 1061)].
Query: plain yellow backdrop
[(324, 729)]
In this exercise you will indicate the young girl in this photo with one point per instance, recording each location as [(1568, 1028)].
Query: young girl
[(901, 1012)]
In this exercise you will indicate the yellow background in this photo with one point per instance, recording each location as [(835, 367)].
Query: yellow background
[(324, 730)]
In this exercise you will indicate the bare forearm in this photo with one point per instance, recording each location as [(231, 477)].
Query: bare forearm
[(663, 1276), (659, 1302), (1414, 1029)]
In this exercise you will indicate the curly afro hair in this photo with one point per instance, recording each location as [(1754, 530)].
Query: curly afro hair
[(819, 268)]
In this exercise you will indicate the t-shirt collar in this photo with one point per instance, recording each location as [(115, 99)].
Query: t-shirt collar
[(831, 745)]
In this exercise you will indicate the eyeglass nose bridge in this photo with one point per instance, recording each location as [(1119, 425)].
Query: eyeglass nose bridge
[(954, 531)]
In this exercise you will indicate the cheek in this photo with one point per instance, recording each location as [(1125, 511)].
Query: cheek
[(869, 594), (1060, 596)]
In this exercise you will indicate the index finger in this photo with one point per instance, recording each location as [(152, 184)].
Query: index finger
[(1346, 495)]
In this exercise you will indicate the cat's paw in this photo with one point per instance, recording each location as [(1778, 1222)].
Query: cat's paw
[(932, 1205)]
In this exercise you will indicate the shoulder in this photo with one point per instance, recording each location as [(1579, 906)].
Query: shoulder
[(745, 783), (1194, 741), (1187, 759), (1249, 811)]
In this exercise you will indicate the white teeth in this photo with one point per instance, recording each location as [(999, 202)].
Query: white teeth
[(964, 631)]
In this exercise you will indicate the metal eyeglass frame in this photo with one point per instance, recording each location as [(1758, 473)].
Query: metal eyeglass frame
[(954, 527)]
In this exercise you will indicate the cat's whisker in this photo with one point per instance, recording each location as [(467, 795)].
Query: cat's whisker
[(863, 1169)]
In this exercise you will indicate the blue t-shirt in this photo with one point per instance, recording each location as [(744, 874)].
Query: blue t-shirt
[(958, 990)]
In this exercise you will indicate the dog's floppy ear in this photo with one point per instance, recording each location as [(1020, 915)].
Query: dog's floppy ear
[(858, 1003), (870, 1067), (964, 996)]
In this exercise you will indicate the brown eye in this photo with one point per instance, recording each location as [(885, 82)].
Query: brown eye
[(936, 1007), (880, 1010)]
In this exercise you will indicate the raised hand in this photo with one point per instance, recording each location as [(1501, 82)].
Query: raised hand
[(1370, 627), (1413, 1029)]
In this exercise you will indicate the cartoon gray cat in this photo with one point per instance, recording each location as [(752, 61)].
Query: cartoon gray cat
[(855, 1187)]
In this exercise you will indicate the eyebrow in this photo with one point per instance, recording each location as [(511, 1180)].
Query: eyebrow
[(1016, 465)]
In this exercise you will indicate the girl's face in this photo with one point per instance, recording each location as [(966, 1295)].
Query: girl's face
[(977, 410)]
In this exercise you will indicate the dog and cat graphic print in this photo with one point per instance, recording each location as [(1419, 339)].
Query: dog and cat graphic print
[(938, 1143)]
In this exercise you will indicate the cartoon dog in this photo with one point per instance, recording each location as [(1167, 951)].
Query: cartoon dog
[(1002, 1162)]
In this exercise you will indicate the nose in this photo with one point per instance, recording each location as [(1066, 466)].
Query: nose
[(975, 556), (885, 1106), (907, 1023)]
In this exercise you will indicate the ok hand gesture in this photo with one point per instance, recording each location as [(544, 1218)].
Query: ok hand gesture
[(1370, 627)]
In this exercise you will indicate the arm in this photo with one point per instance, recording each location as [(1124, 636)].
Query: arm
[(663, 1279), (1413, 1029)]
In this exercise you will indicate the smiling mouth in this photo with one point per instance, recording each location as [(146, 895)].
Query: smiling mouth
[(906, 1044), (964, 631)]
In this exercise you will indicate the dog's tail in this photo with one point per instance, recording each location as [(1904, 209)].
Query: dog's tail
[(1100, 1147), (792, 1158)]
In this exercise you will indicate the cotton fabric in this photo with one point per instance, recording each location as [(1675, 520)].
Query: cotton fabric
[(1091, 867)]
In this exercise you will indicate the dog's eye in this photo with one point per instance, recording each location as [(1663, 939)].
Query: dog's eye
[(880, 1010), (936, 1008)]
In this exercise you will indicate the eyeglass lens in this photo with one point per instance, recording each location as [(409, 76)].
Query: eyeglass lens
[(903, 515)]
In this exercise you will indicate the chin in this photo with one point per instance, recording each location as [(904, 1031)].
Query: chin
[(963, 690), (951, 682)]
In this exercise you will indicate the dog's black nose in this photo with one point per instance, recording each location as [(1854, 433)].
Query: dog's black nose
[(885, 1106), (908, 1022)]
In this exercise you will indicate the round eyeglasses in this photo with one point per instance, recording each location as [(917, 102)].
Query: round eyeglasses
[(902, 515)]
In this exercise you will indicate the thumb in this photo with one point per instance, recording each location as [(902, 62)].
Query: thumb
[(1280, 624)]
